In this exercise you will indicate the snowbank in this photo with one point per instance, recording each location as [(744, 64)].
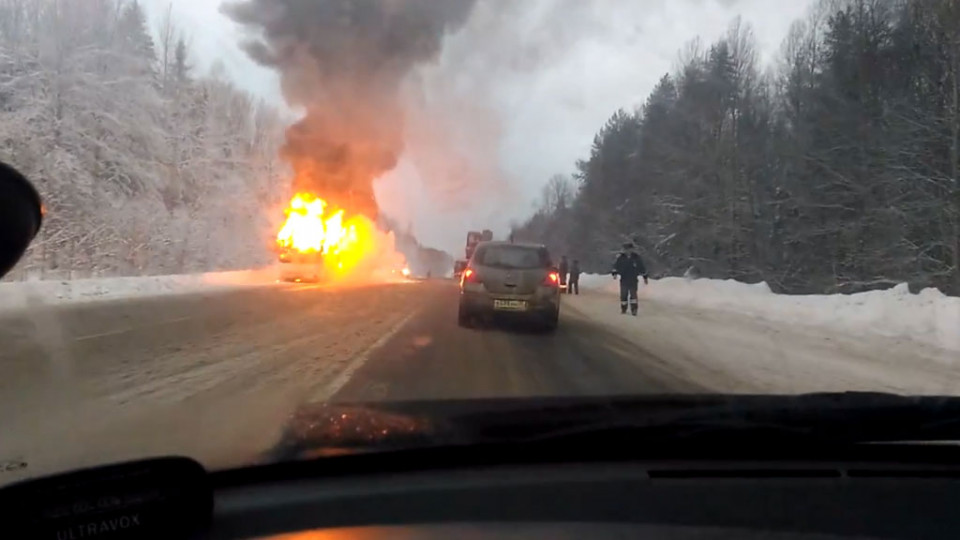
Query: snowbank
[(604, 283), (930, 316), (20, 294)]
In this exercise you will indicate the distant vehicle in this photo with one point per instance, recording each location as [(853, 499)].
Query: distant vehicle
[(458, 267), (473, 238), (403, 272), (503, 278)]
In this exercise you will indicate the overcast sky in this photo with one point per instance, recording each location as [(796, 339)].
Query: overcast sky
[(516, 96)]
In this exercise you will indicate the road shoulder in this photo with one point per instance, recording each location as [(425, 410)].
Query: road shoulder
[(731, 352)]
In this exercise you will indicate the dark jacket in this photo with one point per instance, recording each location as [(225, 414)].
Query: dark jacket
[(563, 268), (574, 269), (629, 267)]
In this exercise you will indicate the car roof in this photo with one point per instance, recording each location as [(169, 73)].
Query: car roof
[(514, 244)]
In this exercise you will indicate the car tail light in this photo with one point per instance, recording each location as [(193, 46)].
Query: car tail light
[(469, 276), (552, 279)]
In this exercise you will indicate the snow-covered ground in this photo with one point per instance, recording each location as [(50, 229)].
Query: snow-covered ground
[(20, 294), (16, 295), (729, 352), (929, 317)]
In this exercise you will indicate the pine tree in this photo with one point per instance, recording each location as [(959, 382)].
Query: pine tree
[(134, 41), (181, 67)]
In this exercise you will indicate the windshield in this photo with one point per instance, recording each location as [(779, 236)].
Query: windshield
[(256, 212), (517, 257)]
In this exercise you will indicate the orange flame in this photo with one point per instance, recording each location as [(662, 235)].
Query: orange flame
[(310, 229)]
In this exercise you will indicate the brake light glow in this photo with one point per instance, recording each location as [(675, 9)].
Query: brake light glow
[(470, 275), (553, 279)]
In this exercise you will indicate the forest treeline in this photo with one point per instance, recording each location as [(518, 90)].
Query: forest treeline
[(836, 170)]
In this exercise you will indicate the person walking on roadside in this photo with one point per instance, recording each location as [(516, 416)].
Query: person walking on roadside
[(629, 267), (563, 269), (573, 284)]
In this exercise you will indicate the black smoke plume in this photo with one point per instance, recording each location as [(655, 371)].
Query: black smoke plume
[(342, 62)]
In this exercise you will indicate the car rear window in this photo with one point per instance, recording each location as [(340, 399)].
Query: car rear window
[(513, 257)]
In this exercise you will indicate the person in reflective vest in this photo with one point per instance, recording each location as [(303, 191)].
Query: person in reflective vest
[(629, 267)]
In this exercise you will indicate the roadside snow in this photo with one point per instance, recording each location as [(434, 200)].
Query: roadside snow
[(729, 352), (602, 283), (16, 295), (929, 317)]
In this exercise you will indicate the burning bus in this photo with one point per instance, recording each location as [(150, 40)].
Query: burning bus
[(318, 242), (315, 240)]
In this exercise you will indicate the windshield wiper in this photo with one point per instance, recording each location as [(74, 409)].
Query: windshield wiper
[(691, 421), (845, 418)]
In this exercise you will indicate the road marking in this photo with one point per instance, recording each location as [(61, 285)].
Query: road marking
[(104, 334), (343, 377), (125, 330), (303, 288), (341, 285)]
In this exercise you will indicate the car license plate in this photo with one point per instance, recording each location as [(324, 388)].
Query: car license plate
[(510, 305)]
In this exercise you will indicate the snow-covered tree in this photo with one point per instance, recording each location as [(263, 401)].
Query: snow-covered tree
[(143, 166)]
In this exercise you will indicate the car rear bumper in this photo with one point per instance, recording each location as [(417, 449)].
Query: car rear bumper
[(538, 304)]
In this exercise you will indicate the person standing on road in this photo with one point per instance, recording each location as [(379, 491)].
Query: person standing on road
[(564, 267), (573, 284), (630, 268)]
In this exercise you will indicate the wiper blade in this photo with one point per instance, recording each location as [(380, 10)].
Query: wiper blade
[(811, 419), (834, 418)]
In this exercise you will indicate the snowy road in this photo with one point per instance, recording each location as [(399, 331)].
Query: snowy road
[(216, 375)]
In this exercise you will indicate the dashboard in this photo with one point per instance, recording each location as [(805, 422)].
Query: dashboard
[(868, 491), (635, 500), (557, 531)]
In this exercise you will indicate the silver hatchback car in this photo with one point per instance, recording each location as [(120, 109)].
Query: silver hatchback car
[(517, 280)]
